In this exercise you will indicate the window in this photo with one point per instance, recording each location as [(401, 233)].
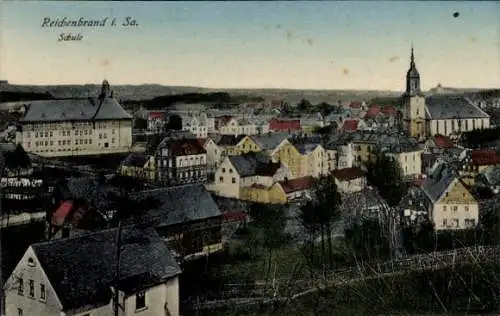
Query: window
[(221, 179), (42, 292), (466, 208), (230, 170), (31, 262), (223, 169), (19, 312), (140, 300), (233, 180), (32, 288), (20, 288), (445, 222), (455, 208)]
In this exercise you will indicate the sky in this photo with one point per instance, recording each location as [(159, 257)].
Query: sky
[(297, 45)]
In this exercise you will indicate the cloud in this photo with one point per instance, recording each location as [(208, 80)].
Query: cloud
[(393, 59), (310, 41), (345, 71), (278, 26), (289, 35), (105, 62)]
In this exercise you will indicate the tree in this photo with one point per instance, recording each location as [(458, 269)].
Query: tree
[(174, 122), (318, 216), (325, 109), (490, 222), (126, 207), (269, 222), (140, 123), (304, 105), (368, 240), (385, 173)]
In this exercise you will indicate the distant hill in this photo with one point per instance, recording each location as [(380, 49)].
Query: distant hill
[(152, 91), (14, 96)]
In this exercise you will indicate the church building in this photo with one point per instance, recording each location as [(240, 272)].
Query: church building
[(448, 115)]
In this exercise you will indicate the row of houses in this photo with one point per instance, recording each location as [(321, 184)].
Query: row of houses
[(73, 272)]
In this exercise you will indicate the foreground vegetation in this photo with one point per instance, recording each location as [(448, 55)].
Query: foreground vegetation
[(468, 289)]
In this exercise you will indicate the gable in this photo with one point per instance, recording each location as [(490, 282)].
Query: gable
[(30, 268), (457, 193)]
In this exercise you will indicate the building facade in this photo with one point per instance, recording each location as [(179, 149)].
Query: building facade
[(181, 161), (76, 127)]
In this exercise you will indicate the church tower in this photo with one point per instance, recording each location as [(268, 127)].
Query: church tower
[(414, 103)]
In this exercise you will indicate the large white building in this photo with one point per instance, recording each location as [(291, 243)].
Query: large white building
[(76, 127)]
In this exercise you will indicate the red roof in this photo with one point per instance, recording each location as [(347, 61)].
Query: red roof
[(347, 174), (202, 141), (222, 120), (185, 147), (372, 111), (485, 157), (235, 216), (389, 111), (355, 104), (297, 184), (156, 115), (350, 125), (442, 141), (59, 216), (418, 183), (279, 125), (276, 103)]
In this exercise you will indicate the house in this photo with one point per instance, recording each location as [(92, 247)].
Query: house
[(186, 217), (214, 155), (310, 122), (181, 161), (415, 207), (242, 126), (280, 192), (227, 143), (156, 121), (139, 166), (438, 143), (490, 178), (246, 170), (475, 162), (297, 189), (52, 278), (349, 180), (350, 126), (314, 156), (76, 127), (366, 144), (199, 125), (265, 143), (452, 206), (284, 125)]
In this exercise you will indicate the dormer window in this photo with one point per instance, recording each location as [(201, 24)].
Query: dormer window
[(31, 262)]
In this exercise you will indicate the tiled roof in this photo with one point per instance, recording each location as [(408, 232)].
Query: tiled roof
[(222, 120), (389, 141), (438, 181), (135, 160), (74, 110), (350, 125), (178, 205), (81, 269), (372, 111), (202, 141), (229, 140), (441, 107), (185, 147), (389, 111), (276, 124), (269, 141), (253, 164), (235, 216), (297, 184), (442, 141), (355, 104), (156, 115), (485, 157), (347, 174)]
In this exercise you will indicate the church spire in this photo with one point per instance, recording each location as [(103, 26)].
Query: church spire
[(412, 77)]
